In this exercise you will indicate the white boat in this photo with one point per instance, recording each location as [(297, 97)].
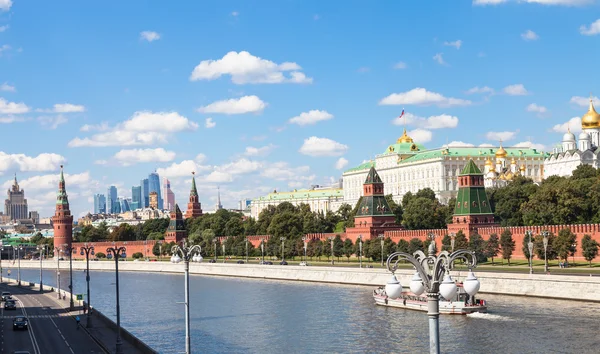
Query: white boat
[(461, 304)]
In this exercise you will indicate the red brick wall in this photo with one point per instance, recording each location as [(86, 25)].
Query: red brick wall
[(131, 247)]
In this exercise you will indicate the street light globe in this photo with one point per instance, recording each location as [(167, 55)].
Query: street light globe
[(175, 258), (448, 287), (416, 284), (471, 284), (393, 288)]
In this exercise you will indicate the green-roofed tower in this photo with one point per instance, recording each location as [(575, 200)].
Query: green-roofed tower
[(176, 231), (62, 221), (194, 208), (472, 208)]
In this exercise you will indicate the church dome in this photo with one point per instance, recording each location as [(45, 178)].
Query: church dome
[(584, 136), (404, 138), (501, 152), (568, 136), (488, 162), (591, 119)]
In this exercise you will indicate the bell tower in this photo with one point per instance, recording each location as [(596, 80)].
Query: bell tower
[(62, 220), (194, 208)]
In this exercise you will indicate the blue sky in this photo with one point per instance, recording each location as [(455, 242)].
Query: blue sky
[(296, 91)]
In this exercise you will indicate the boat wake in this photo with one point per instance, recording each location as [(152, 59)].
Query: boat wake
[(489, 316)]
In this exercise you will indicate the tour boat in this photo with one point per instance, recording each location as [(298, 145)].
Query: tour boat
[(460, 304)]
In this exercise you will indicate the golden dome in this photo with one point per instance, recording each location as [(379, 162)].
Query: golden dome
[(522, 168), (509, 176), (591, 119), (502, 177), (404, 138), (501, 152), (488, 162), (513, 161)]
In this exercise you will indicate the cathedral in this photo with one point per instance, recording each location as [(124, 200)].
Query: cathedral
[(571, 153)]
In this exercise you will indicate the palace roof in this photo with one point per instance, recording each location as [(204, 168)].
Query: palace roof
[(304, 194)]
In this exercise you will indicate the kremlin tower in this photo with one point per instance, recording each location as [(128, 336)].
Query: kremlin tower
[(194, 208), (176, 231), (62, 219)]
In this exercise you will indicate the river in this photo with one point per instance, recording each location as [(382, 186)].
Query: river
[(233, 315)]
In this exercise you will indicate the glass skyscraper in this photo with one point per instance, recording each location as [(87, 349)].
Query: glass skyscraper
[(99, 204), (136, 197), (154, 186), (112, 203), (145, 194), (124, 205)]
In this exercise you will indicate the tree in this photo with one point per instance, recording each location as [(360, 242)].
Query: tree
[(338, 247), (424, 213), (525, 247), (156, 236), (477, 245), (538, 247), (492, 247), (348, 248), (447, 243), (395, 207), (156, 249), (123, 232), (415, 245), (137, 255), (100, 255), (564, 243), (37, 238), (507, 245), (460, 241), (589, 247), (403, 246), (344, 211)]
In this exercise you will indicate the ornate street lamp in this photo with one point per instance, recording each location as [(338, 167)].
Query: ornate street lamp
[(262, 250), (1, 270), (246, 249), (223, 252), (433, 277), (360, 251), (87, 250), (187, 252), (215, 246), (41, 249), (19, 249), (282, 239), (331, 239), (57, 256), (382, 241), (69, 249), (452, 240), (530, 246), (545, 234), (305, 240), (117, 253)]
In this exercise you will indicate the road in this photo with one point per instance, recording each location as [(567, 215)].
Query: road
[(51, 328)]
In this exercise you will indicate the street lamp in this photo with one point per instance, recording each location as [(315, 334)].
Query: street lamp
[(117, 253), (223, 252), (305, 240), (430, 270), (262, 250), (57, 256), (215, 246), (40, 249), (70, 249), (545, 234), (19, 249), (331, 240), (530, 246), (87, 250), (452, 240), (282, 249), (1, 270), (573, 250), (380, 237), (246, 249), (360, 251), (187, 252)]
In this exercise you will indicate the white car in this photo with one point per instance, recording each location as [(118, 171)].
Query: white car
[(303, 264)]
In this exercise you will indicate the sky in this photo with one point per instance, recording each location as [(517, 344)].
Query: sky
[(256, 96)]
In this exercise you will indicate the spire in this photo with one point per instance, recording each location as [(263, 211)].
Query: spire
[(15, 182), (61, 196), (193, 191), (62, 177), (219, 206)]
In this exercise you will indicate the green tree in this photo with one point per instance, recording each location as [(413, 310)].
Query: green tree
[(477, 245), (525, 247), (492, 247), (460, 241), (338, 247), (564, 243), (403, 246), (37, 238), (506, 201), (137, 255), (507, 245), (123, 232), (538, 247), (348, 248), (589, 247), (395, 207), (156, 249), (344, 212), (424, 213), (415, 245), (156, 236), (100, 255)]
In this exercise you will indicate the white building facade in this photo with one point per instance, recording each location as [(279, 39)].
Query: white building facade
[(318, 199)]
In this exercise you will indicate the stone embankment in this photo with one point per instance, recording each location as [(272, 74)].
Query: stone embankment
[(582, 288)]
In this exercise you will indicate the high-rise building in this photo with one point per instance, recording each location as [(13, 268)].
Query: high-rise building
[(34, 216), (154, 186), (62, 219), (136, 197), (99, 204), (15, 207), (145, 193), (111, 200), (169, 202), (124, 205), (153, 200)]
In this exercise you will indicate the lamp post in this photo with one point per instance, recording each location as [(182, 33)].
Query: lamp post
[(1, 270), (331, 240), (223, 252), (19, 249), (57, 256), (69, 249), (530, 247), (380, 237), (262, 250), (545, 234), (87, 250), (282, 239), (433, 277), (360, 251), (215, 246), (117, 253), (187, 252), (452, 240), (573, 250), (246, 249), (40, 249), (305, 240)]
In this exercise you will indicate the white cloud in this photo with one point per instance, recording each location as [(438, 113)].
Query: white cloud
[(590, 30), (5, 5), (149, 36), (240, 167), (11, 119), (459, 144), (245, 68), (456, 44), (311, 117), (143, 128), (574, 124), (218, 177), (478, 89), (400, 65), (434, 122), (12, 107), (133, 156), (421, 135), (99, 127), (24, 163), (50, 182), (209, 123), (530, 145), (68, 108), (486, 145), (583, 101), (200, 158), (439, 59), (515, 90), (3, 28), (503, 136), (101, 162), (246, 104), (422, 97), (182, 169), (341, 163), (259, 151), (52, 122), (6, 87), (315, 146), (537, 109), (488, 2), (281, 171), (4, 47), (529, 35)]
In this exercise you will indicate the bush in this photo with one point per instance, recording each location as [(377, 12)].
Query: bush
[(100, 255), (138, 255)]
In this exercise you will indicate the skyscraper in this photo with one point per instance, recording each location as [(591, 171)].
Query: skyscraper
[(99, 204), (111, 200), (154, 186), (145, 193), (136, 197), (16, 204), (124, 204), (169, 202)]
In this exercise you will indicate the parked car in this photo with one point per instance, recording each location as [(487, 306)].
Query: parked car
[(20, 322), (10, 305), (240, 262), (283, 263), (6, 295)]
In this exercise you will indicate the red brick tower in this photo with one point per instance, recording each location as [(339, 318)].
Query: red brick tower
[(62, 219), (176, 230), (194, 208)]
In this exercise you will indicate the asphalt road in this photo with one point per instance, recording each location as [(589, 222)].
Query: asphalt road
[(51, 329)]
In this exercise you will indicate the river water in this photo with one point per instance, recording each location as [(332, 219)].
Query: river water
[(234, 315)]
